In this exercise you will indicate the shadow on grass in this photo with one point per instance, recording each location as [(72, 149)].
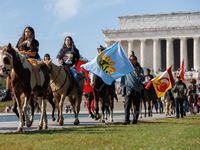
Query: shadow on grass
[(108, 127), (95, 129)]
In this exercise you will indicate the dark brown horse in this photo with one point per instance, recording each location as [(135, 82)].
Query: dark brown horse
[(104, 94)]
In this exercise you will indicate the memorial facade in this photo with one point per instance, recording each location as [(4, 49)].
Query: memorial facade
[(160, 40)]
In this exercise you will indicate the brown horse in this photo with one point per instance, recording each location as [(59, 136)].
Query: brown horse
[(23, 82), (62, 86)]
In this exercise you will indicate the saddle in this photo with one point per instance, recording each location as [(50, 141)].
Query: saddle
[(72, 79)]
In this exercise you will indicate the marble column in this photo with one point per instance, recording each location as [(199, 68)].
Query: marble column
[(169, 53), (130, 47), (142, 53), (183, 52), (196, 54), (156, 55)]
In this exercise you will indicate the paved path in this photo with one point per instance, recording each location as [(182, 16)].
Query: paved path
[(6, 127)]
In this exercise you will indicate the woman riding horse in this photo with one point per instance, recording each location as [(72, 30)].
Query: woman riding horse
[(28, 46), (69, 56)]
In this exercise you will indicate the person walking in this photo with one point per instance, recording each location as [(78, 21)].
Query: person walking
[(131, 84), (179, 89)]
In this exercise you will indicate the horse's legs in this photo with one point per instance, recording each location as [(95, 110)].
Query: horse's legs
[(145, 108), (149, 108), (102, 102), (41, 116), (60, 110), (111, 107), (76, 122), (141, 108), (14, 109), (50, 100), (44, 113), (96, 105), (18, 100), (31, 103), (27, 98)]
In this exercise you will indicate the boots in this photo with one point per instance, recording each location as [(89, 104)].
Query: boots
[(39, 94), (7, 97)]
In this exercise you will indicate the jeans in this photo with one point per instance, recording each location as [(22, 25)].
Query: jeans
[(184, 105), (75, 74), (177, 102), (160, 106)]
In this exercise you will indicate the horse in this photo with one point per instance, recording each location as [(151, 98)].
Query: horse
[(103, 93), (62, 85), (23, 82), (168, 103)]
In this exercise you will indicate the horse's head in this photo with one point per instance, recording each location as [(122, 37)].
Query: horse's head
[(49, 64), (6, 60)]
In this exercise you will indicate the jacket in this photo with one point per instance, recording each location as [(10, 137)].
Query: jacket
[(180, 90)]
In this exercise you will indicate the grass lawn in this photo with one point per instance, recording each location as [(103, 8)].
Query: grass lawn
[(167, 133)]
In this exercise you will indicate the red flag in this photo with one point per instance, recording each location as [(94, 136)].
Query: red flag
[(182, 71), (87, 86)]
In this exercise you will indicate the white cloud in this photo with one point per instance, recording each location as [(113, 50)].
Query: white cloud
[(62, 9), (67, 34)]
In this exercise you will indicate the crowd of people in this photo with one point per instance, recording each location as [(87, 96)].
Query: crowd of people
[(131, 88)]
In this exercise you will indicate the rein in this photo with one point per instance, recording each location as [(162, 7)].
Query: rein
[(57, 74), (57, 77)]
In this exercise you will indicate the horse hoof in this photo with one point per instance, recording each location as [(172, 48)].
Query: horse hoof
[(19, 129), (39, 127), (29, 124), (140, 116), (60, 124), (53, 119), (57, 120), (102, 121), (45, 127), (111, 120)]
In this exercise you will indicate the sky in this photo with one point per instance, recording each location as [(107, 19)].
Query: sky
[(83, 20)]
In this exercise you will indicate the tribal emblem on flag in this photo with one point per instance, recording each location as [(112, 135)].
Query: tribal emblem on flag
[(106, 64), (162, 84)]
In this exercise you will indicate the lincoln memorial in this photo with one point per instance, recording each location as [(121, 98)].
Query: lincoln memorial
[(160, 40)]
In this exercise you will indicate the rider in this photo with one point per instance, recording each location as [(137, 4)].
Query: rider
[(69, 56), (28, 46)]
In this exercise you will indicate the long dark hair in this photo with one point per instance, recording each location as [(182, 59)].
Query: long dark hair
[(133, 55), (23, 38), (64, 48)]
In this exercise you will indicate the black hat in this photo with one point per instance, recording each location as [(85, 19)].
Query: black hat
[(47, 55)]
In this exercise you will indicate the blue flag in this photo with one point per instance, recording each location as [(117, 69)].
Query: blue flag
[(110, 64)]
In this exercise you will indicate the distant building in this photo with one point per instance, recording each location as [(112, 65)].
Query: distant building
[(160, 40)]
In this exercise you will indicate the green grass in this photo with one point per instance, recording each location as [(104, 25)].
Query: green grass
[(167, 133)]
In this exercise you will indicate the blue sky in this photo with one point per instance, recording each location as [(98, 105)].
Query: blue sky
[(84, 20)]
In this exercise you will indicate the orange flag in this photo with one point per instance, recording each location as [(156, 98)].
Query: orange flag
[(182, 71)]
